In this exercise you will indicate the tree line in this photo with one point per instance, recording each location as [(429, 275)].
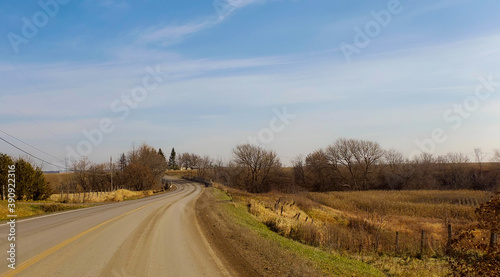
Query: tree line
[(349, 164), (141, 168)]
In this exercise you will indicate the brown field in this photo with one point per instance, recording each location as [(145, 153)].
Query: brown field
[(363, 224), (57, 179)]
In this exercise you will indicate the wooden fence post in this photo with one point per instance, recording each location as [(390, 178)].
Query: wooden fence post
[(448, 244), (396, 248), (493, 240), (422, 243)]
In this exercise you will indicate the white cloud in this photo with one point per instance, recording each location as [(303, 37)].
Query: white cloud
[(170, 34)]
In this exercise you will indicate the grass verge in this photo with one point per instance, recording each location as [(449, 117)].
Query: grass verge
[(25, 210), (329, 263)]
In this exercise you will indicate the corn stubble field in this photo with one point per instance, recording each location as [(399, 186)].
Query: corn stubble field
[(382, 228)]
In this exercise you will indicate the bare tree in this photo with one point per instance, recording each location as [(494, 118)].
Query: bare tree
[(357, 157), (80, 178), (478, 154), (496, 156), (318, 171), (204, 166), (259, 166), (99, 177), (145, 168), (455, 171), (299, 174)]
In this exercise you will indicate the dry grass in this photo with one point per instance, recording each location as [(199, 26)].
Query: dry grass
[(24, 210), (56, 180), (98, 197), (365, 223)]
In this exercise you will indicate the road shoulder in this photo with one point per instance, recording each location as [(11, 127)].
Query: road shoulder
[(242, 250)]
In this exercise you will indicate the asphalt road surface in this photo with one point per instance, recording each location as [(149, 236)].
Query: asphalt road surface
[(154, 236)]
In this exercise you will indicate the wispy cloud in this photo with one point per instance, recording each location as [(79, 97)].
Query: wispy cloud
[(170, 34)]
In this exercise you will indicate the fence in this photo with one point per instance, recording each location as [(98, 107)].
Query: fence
[(206, 182)]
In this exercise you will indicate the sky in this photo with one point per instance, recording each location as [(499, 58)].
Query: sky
[(93, 78)]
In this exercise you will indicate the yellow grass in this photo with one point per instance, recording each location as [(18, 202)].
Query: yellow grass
[(23, 210), (98, 197), (365, 223)]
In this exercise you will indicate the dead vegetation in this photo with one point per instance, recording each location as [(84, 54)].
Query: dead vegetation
[(98, 197), (371, 225)]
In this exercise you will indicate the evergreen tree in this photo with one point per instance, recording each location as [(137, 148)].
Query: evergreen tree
[(161, 153), (30, 182), (122, 163), (171, 161), (5, 162)]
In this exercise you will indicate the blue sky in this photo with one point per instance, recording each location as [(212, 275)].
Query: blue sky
[(225, 70)]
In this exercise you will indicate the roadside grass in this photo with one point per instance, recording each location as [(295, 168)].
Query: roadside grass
[(25, 210), (99, 197), (69, 201), (330, 263), (381, 228)]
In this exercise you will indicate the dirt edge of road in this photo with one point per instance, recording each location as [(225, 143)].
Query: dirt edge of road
[(241, 250)]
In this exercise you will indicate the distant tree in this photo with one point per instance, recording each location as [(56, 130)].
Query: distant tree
[(139, 176), (152, 164), (161, 153), (122, 163), (455, 171), (299, 174), (80, 178), (172, 164), (397, 172), (478, 154), (98, 177), (260, 166), (496, 156), (205, 164), (30, 182), (5, 162), (318, 171), (355, 161)]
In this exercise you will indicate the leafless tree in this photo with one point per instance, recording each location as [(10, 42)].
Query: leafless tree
[(299, 174), (478, 154), (80, 178), (455, 171), (204, 165), (318, 171), (145, 168), (99, 177), (259, 166), (357, 157), (496, 156)]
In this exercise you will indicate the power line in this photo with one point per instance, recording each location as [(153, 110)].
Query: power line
[(32, 146), (30, 154)]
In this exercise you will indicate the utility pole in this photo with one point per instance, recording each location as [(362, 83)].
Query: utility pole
[(3, 192), (111, 170)]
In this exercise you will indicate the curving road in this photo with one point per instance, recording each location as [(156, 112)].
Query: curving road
[(154, 236)]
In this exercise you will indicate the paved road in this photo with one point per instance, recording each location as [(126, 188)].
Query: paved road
[(154, 236)]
